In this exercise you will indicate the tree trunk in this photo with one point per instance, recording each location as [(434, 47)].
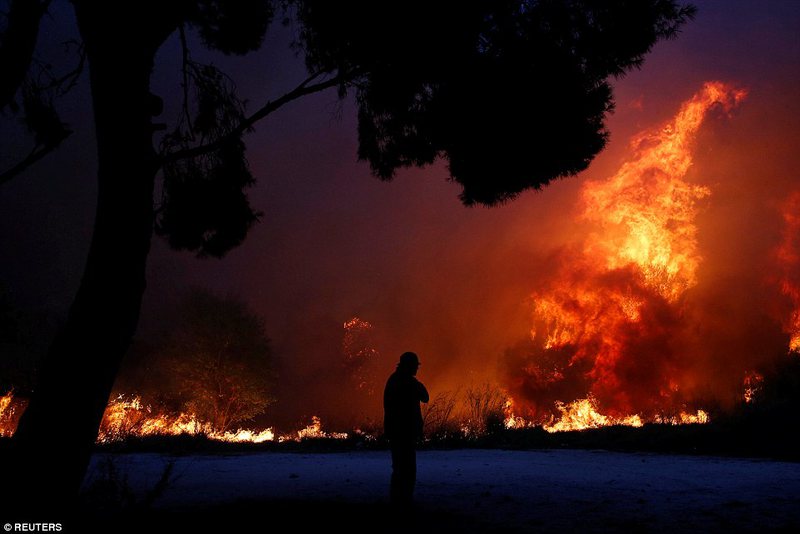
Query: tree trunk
[(54, 440)]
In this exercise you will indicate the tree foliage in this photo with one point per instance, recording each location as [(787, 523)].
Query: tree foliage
[(231, 27), (513, 94), (219, 360), (779, 391)]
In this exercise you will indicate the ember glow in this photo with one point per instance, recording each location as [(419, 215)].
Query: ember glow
[(360, 355), (753, 382), (601, 349)]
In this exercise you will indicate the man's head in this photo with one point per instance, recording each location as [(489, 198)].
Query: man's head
[(409, 363)]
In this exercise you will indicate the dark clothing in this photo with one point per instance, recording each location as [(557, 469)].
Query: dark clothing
[(403, 427), (402, 416), (404, 470)]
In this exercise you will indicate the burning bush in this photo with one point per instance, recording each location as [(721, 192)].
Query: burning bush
[(220, 360), (485, 409), (212, 361), (11, 409), (438, 415)]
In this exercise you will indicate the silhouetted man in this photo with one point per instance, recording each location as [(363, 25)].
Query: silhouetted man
[(402, 423)]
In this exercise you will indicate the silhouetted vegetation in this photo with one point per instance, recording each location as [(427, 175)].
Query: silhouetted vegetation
[(220, 360), (214, 361)]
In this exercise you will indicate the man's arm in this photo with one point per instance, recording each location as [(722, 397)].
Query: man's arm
[(422, 392)]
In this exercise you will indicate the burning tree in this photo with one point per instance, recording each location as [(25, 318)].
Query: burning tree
[(606, 318), (219, 360), (360, 355)]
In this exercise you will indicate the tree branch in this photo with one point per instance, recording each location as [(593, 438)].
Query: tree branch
[(305, 88), (68, 81), (17, 45), (35, 155), (185, 73)]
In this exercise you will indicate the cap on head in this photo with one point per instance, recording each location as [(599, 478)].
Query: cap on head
[(409, 359)]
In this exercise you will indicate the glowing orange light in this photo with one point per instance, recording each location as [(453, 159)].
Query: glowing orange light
[(637, 261)]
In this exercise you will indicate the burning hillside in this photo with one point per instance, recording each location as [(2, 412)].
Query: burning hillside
[(616, 334), (629, 323)]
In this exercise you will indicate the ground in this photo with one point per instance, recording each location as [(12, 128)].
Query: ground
[(460, 491)]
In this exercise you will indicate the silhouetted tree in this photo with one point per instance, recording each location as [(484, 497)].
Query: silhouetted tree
[(22, 343), (220, 360), (777, 396), (211, 358), (511, 93)]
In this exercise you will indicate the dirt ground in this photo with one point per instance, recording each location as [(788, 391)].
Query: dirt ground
[(457, 491)]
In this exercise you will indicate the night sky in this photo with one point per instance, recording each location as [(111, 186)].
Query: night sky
[(449, 282)]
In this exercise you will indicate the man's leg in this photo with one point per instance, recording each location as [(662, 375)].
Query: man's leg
[(395, 490), (404, 471)]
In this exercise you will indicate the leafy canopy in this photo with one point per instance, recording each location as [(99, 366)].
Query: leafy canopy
[(512, 94)]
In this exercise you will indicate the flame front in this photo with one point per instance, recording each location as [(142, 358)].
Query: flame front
[(127, 417), (603, 320), (788, 258)]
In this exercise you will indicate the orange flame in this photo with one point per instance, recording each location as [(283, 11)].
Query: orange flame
[(612, 297), (129, 417), (582, 414), (788, 256), (314, 430), (11, 409)]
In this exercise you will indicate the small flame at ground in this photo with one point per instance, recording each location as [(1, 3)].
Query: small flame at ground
[(582, 414), (314, 430), (129, 417)]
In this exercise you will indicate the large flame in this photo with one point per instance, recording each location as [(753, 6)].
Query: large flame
[(788, 257), (602, 322)]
